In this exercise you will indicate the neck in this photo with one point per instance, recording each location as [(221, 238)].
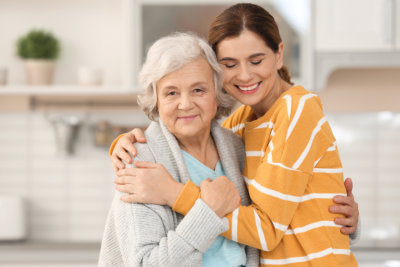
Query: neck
[(202, 148), (263, 106)]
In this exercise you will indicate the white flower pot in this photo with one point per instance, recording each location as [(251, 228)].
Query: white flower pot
[(39, 71), (89, 76)]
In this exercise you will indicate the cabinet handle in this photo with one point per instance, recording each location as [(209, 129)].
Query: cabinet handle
[(388, 24)]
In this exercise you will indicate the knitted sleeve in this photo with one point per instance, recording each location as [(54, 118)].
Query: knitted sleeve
[(147, 235)]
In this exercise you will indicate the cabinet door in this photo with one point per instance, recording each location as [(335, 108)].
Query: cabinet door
[(353, 25)]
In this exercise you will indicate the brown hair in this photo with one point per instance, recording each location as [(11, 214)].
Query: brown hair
[(233, 20)]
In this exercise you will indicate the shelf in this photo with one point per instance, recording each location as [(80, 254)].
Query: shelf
[(327, 62), (36, 90)]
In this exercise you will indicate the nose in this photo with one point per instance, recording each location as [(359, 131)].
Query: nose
[(244, 74), (186, 102)]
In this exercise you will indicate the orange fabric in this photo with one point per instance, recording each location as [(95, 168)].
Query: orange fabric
[(292, 170), (112, 146), (187, 198)]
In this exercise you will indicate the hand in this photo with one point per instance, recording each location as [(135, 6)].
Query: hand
[(125, 145), (221, 195), (148, 183), (347, 207)]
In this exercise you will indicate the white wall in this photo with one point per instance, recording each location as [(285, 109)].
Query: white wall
[(67, 197), (90, 32)]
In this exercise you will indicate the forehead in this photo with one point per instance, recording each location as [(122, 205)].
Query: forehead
[(196, 71), (247, 43)]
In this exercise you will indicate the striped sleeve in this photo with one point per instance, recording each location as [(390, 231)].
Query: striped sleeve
[(279, 175)]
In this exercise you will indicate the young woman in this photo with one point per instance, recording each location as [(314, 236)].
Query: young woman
[(292, 166)]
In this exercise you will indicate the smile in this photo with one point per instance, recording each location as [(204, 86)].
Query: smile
[(187, 118), (248, 89)]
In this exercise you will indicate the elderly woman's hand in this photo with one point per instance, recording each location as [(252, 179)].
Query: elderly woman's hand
[(125, 145), (347, 207), (221, 195), (149, 183)]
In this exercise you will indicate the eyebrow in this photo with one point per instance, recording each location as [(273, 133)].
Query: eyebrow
[(250, 57), (172, 87)]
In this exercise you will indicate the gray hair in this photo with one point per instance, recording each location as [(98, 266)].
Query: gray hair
[(169, 54)]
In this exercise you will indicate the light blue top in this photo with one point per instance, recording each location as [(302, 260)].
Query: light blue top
[(223, 252)]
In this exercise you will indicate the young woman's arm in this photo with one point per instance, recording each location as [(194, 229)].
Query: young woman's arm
[(122, 146)]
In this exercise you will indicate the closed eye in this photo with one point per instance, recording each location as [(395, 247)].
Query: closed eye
[(229, 66), (256, 62)]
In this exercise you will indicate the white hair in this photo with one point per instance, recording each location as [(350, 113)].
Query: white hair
[(171, 53)]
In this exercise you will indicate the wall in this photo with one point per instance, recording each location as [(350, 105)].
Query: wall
[(363, 110), (362, 90), (68, 197), (90, 32)]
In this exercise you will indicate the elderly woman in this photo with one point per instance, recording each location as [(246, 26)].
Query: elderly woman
[(182, 94)]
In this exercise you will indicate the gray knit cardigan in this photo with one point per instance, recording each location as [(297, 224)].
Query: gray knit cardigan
[(154, 235)]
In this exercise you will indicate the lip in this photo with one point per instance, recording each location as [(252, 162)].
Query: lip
[(187, 118), (248, 92)]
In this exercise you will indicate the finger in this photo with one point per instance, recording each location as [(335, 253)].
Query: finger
[(344, 221), (127, 172), (125, 188), (116, 162), (347, 230), (221, 178), (122, 154), (343, 210), (130, 199), (116, 169), (145, 164), (348, 183), (139, 135), (131, 148), (343, 200), (205, 181)]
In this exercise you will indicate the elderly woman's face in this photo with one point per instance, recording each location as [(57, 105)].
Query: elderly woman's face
[(186, 99)]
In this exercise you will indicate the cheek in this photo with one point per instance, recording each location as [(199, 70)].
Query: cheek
[(164, 110)]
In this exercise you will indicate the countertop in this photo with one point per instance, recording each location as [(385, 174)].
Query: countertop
[(40, 252), (21, 253)]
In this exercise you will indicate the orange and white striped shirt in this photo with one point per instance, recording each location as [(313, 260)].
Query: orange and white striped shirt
[(292, 171)]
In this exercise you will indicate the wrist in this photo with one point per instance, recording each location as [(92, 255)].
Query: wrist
[(173, 193)]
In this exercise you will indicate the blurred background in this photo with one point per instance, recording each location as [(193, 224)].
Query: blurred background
[(56, 180)]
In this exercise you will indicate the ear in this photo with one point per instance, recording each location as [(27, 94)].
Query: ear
[(279, 56)]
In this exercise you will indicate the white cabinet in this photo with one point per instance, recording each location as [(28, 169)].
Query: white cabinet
[(355, 25), (354, 34)]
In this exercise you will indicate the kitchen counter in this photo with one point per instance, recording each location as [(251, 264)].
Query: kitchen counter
[(377, 257), (18, 253), (31, 254)]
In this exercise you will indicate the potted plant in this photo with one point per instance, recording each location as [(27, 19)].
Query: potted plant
[(39, 49)]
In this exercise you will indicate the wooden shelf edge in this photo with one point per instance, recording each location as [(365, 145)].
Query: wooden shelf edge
[(30, 90)]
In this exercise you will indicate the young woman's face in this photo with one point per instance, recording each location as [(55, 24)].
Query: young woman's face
[(250, 68)]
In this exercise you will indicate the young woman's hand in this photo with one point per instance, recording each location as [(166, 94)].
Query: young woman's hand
[(149, 183), (348, 207), (125, 145), (221, 195)]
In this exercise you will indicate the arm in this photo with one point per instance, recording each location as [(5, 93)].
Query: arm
[(145, 235), (151, 183), (280, 179)]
